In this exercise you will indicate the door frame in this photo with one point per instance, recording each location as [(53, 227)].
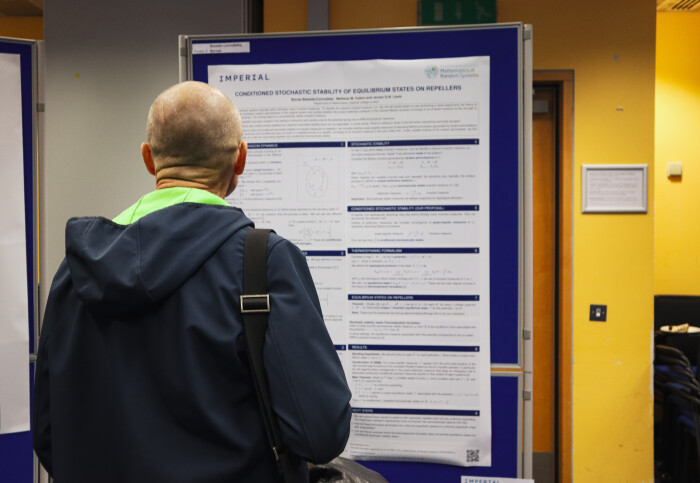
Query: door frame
[(564, 81)]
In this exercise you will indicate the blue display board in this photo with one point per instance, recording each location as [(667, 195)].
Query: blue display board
[(503, 44), (16, 454)]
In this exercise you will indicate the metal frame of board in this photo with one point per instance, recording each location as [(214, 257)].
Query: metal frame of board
[(30, 104)]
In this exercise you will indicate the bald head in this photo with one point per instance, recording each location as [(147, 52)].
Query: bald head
[(194, 137)]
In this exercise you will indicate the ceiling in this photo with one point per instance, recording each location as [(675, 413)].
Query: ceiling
[(35, 8), (21, 8), (678, 6)]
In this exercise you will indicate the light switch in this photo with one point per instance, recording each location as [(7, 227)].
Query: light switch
[(599, 313), (674, 170)]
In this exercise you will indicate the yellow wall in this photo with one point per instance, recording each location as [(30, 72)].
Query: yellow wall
[(22, 27), (291, 15), (677, 218), (285, 15), (610, 47), (364, 14)]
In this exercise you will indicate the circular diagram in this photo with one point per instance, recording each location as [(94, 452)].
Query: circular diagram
[(316, 182)]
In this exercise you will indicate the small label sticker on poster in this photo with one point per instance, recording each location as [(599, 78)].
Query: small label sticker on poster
[(221, 48), (614, 188)]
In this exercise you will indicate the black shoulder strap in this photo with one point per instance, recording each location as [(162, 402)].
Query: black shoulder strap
[(255, 307)]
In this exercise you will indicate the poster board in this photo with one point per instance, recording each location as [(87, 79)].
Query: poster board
[(386, 55), (19, 59)]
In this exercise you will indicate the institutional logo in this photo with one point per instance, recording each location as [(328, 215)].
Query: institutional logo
[(244, 77), (432, 71), (451, 71)]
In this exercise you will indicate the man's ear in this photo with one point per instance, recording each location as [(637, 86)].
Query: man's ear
[(148, 158), (240, 160)]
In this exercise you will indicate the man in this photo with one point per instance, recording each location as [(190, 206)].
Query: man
[(142, 372)]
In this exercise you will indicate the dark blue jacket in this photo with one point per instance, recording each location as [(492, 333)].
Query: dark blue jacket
[(142, 373)]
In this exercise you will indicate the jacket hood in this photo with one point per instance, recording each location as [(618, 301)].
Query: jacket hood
[(120, 268)]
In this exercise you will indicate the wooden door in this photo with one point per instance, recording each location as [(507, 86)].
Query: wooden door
[(544, 166), (551, 126)]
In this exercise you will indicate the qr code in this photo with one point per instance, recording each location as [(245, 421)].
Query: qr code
[(472, 456)]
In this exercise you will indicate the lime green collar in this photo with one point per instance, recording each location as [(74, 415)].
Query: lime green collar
[(162, 198)]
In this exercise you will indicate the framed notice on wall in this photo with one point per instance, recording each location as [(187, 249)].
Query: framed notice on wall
[(614, 188)]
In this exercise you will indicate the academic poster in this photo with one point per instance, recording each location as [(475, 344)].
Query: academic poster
[(379, 171), (14, 306)]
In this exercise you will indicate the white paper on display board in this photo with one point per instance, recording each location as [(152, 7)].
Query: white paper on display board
[(14, 306), (379, 171)]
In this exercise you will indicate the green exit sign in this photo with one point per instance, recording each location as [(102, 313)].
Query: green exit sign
[(455, 12)]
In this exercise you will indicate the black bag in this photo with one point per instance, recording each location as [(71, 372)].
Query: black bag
[(255, 307)]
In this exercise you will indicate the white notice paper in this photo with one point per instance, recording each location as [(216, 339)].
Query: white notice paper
[(614, 188), (14, 311), (379, 171)]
